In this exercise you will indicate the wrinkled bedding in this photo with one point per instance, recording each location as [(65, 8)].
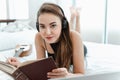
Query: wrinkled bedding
[(101, 58)]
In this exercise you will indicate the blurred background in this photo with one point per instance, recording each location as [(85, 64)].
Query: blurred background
[(99, 19)]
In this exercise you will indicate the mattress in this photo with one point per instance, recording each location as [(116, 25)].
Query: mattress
[(100, 59)]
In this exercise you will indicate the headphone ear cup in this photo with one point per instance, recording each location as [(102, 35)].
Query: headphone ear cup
[(37, 26), (64, 23)]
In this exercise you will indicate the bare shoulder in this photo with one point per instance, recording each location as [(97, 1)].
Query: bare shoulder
[(39, 45), (38, 39), (76, 39), (75, 35), (38, 35)]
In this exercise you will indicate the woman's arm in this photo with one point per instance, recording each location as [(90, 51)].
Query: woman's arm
[(40, 50), (78, 55)]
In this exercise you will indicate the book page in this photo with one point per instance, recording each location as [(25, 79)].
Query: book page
[(6, 67)]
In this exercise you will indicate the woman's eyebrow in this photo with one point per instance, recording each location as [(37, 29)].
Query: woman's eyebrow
[(52, 23), (41, 24)]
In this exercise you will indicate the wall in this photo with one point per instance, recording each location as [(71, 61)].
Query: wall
[(113, 22), (34, 6), (92, 18)]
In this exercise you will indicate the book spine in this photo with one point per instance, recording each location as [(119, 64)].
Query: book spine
[(19, 75)]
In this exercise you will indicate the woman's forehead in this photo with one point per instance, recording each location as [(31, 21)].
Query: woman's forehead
[(48, 17)]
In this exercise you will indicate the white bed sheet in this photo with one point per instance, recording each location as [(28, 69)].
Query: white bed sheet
[(101, 58)]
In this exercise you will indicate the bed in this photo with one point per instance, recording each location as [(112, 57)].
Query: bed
[(101, 58)]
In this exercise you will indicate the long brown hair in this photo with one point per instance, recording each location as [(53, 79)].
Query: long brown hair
[(65, 50)]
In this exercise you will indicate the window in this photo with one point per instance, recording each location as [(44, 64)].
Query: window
[(14, 9), (113, 22), (92, 19), (3, 10)]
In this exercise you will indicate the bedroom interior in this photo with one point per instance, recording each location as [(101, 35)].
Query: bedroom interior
[(100, 31)]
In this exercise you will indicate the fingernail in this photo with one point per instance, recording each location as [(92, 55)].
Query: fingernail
[(48, 73)]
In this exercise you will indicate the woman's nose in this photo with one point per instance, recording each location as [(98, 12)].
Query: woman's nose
[(48, 31)]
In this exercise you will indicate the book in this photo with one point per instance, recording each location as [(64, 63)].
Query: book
[(30, 70)]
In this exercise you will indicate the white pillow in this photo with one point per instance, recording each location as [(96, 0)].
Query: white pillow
[(18, 25), (24, 24), (10, 40)]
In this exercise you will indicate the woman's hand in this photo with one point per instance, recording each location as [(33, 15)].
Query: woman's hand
[(13, 61), (59, 72)]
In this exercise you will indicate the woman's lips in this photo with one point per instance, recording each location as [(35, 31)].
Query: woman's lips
[(49, 38)]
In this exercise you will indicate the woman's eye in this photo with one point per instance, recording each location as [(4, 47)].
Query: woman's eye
[(42, 27), (53, 26)]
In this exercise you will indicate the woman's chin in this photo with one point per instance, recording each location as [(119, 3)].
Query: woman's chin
[(50, 41)]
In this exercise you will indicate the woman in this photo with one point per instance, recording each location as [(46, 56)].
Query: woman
[(55, 37)]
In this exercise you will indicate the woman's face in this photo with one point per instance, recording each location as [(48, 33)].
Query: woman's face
[(50, 27)]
